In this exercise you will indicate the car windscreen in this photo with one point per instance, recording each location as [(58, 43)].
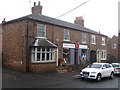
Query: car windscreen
[(115, 65), (96, 66)]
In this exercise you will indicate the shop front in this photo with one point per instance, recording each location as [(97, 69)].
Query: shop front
[(75, 54)]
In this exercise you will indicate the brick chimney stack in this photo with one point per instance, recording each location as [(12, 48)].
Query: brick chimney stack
[(79, 21), (37, 9)]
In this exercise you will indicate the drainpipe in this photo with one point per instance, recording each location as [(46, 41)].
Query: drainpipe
[(27, 48)]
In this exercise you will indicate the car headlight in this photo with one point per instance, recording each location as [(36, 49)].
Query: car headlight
[(93, 72), (80, 72)]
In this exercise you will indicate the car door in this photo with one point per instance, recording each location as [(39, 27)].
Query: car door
[(104, 71), (108, 70)]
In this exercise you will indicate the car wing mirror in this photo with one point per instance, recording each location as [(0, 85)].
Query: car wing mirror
[(103, 67), (88, 66)]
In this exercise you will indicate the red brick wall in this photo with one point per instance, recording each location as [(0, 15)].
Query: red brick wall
[(119, 46), (40, 67), (43, 67), (0, 43), (112, 51), (13, 44), (0, 39)]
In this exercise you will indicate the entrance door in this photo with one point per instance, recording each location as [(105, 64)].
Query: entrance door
[(93, 56), (66, 55), (76, 56)]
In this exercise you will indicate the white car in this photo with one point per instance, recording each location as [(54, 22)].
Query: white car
[(98, 71), (116, 67)]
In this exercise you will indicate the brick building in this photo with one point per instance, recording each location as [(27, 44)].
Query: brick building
[(36, 42), (119, 31), (112, 48), (0, 38), (0, 44), (119, 46)]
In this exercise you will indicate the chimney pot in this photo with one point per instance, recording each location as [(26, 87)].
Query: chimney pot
[(38, 3), (34, 3), (3, 21), (37, 9)]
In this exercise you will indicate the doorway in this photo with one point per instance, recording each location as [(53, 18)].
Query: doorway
[(93, 56)]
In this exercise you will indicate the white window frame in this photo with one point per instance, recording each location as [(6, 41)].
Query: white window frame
[(35, 51), (84, 38), (103, 41), (39, 26), (93, 39), (68, 35), (114, 46), (103, 54)]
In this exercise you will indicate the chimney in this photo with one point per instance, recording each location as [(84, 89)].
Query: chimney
[(3, 21), (79, 21), (37, 9)]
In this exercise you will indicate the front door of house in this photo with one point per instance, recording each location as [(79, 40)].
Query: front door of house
[(76, 56)]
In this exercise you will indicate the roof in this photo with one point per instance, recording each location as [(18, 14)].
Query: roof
[(41, 42), (54, 21)]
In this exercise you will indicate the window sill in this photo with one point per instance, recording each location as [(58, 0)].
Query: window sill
[(103, 45), (42, 62), (84, 42), (41, 37), (103, 59), (93, 43), (66, 40)]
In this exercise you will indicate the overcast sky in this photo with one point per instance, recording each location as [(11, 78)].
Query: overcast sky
[(99, 15)]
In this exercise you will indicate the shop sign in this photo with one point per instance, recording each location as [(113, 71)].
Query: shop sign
[(76, 45), (83, 46), (67, 45)]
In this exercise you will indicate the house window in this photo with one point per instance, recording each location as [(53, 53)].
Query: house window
[(66, 35), (103, 40), (41, 30), (103, 55), (84, 37), (114, 46), (43, 54), (93, 39)]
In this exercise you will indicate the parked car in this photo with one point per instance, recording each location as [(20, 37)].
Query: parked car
[(116, 67), (97, 71)]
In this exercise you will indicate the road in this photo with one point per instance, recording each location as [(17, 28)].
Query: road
[(14, 79)]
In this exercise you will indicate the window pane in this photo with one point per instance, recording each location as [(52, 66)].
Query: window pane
[(52, 56), (33, 49), (41, 30), (38, 48), (43, 49), (48, 56), (33, 56), (93, 39), (43, 56), (38, 56), (48, 49), (83, 37), (66, 35)]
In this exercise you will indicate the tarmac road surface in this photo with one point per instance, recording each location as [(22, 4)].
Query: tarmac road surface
[(15, 79)]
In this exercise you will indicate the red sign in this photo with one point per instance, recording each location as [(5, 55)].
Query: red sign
[(76, 45)]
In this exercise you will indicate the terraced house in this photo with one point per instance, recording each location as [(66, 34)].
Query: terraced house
[(37, 42)]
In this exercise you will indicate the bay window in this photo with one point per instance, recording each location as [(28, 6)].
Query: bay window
[(40, 54)]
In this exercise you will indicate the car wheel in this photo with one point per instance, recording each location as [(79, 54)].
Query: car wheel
[(99, 77), (112, 75)]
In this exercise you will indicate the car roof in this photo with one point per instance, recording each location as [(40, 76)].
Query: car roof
[(100, 63), (115, 63)]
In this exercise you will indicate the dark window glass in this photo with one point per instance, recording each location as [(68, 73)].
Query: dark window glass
[(38, 56), (43, 56)]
